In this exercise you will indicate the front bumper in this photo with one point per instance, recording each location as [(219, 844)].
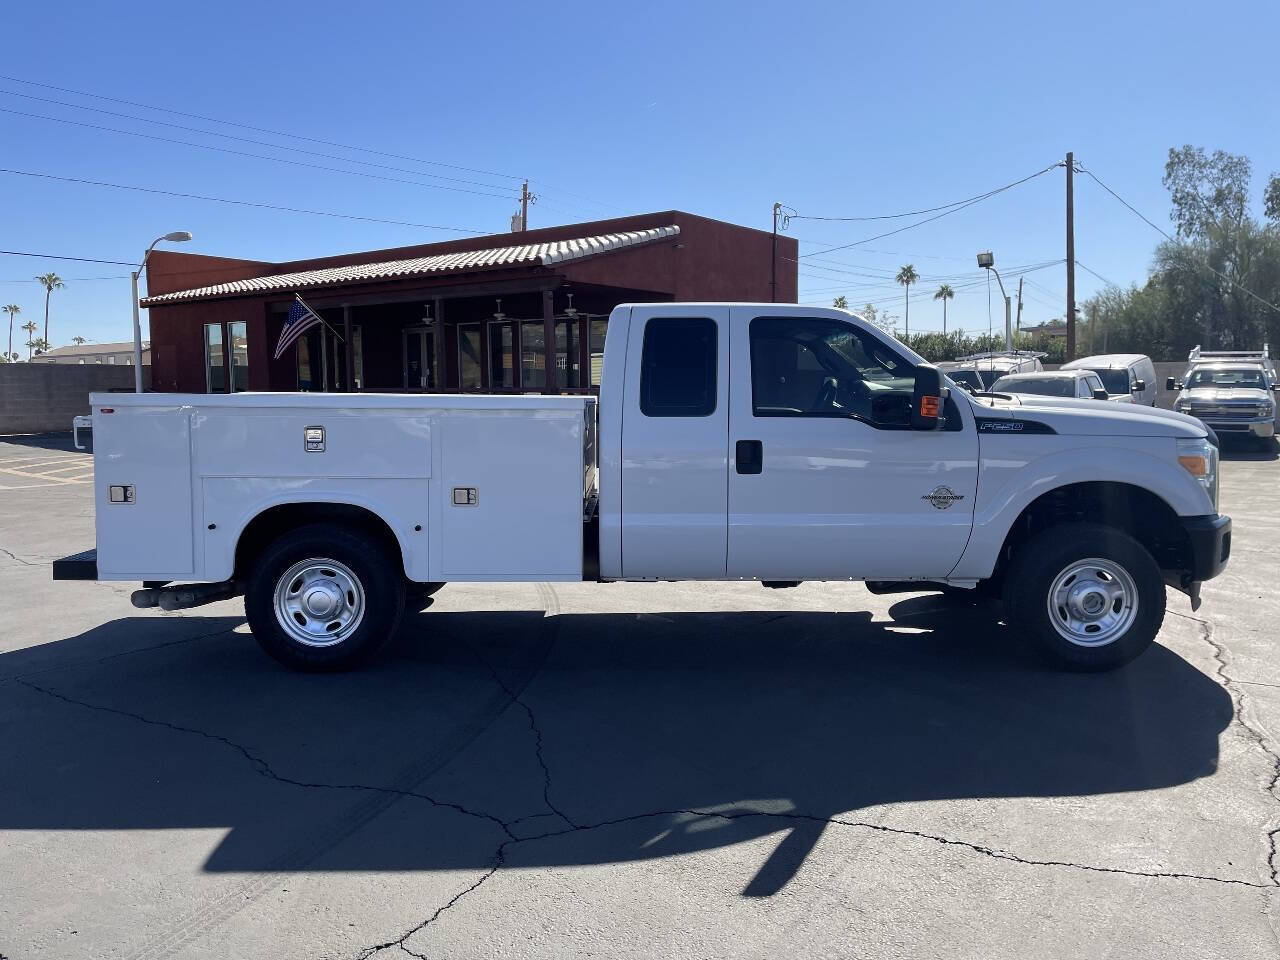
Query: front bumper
[(1262, 427), (1210, 540)]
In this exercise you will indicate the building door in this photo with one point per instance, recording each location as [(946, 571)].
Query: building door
[(419, 352)]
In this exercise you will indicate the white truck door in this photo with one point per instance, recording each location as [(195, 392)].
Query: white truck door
[(827, 481), (674, 443)]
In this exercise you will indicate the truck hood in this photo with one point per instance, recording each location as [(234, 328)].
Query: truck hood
[(1072, 417), (1225, 395)]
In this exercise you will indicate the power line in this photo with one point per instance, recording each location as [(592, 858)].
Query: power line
[(260, 143), (1208, 266), (1096, 274), (242, 203), (913, 213), (963, 205), (118, 276), (256, 156), (292, 136), (245, 126), (50, 256)]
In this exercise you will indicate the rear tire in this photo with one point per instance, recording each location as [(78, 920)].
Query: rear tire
[(324, 597), (1089, 597)]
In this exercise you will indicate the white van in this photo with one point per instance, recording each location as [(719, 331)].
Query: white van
[(1127, 377)]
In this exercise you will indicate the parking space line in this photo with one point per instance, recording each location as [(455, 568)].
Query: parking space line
[(66, 465), (35, 476)]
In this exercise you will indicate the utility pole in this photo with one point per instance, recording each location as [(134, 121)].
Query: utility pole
[(773, 270), (1071, 257), (1018, 326), (1008, 326), (526, 198)]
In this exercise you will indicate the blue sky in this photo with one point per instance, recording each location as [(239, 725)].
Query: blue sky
[(833, 108)]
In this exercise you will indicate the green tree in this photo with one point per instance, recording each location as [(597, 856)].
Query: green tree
[(907, 276), (50, 282), (944, 294), (841, 302), (79, 341), (31, 327), (12, 309)]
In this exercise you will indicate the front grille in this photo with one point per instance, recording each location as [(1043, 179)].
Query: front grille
[(1241, 412)]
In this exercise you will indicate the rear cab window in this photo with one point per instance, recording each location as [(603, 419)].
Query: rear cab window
[(678, 367)]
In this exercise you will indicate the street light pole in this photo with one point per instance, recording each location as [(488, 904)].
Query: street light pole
[(177, 236), (987, 261)]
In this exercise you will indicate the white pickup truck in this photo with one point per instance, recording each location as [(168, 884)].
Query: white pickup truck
[(765, 442)]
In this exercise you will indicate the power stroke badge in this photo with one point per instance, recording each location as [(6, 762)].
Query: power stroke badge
[(942, 497)]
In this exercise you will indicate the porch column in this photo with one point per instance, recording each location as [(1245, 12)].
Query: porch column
[(348, 352), (437, 364), (549, 338)]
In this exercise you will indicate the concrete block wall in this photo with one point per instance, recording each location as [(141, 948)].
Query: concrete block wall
[(43, 397)]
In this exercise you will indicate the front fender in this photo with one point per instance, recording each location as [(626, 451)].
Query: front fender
[(1012, 475)]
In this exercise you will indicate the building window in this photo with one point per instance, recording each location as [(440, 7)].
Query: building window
[(532, 349), (238, 335), (469, 365), (598, 329), (502, 361), (215, 363), (678, 368)]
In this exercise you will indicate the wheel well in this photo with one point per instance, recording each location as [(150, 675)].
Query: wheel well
[(1138, 512), (274, 521)]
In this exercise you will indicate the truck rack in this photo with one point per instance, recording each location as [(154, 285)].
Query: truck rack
[(995, 354)]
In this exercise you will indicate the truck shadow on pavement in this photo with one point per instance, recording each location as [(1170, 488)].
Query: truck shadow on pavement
[(491, 738)]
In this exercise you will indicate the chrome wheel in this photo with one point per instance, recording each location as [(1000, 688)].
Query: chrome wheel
[(319, 602), (1093, 602)]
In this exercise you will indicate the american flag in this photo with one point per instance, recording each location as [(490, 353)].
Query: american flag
[(301, 319)]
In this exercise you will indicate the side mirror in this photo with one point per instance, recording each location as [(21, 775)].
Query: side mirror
[(1138, 386), (1170, 383), (1276, 387), (929, 398), (1100, 394)]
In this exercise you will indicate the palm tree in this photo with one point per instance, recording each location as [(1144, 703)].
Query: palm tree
[(50, 282), (907, 276), (31, 327), (944, 294), (79, 341), (12, 309)]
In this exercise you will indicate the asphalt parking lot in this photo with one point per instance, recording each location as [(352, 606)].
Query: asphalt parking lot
[(630, 771)]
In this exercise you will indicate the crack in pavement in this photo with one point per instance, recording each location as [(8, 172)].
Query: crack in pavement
[(261, 766), (500, 854), (1258, 737), (500, 859), (17, 559)]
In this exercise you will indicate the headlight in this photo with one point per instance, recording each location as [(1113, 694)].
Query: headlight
[(1265, 410), (1200, 459), (1183, 406)]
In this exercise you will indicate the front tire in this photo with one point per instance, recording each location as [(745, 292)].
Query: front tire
[(1089, 597), (324, 597)]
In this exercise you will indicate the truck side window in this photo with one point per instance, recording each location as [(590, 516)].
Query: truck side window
[(678, 367), (812, 367)]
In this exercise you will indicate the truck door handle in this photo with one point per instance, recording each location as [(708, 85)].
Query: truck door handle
[(749, 455)]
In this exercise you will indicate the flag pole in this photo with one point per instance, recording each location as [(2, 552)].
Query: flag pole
[(317, 315)]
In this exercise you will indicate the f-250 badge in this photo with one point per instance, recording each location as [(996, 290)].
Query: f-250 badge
[(942, 497)]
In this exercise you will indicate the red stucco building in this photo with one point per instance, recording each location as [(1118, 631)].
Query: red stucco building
[(463, 315)]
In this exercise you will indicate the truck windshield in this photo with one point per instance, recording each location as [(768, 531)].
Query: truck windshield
[(1246, 379), (968, 379), (1116, 381), (1044, 386)]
